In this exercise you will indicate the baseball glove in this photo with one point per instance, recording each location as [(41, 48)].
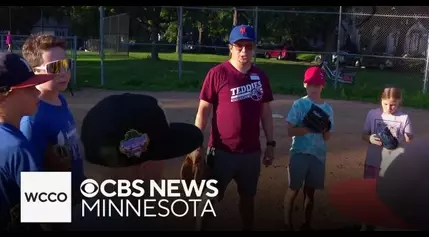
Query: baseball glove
[(194, 167), (387, 139), (57, 158), (317, 120)]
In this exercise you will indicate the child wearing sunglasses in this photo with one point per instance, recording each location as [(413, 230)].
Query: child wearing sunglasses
[(53, 127)]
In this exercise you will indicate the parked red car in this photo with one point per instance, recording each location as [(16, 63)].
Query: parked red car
[(280, 54)]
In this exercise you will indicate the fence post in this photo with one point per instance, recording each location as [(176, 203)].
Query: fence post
[(10, 19), (256, 34), (74, 59), (101, 45), (117, 36), (425, 79), (180, 31), (337, 62)]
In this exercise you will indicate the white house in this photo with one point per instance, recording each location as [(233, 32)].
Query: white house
[(398, 27), (52, 26)]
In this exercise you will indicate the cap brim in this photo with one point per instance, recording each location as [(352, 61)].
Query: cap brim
[(242, 38), (315, 83), (358, 200), (182, 139), (34, 81)]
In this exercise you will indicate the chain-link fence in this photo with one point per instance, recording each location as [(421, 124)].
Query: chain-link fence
[(17, 42), (387, 38), (22, 21), (384, 44), (116, 33)]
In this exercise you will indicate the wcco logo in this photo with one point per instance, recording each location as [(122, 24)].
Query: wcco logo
[(46, 197), (48, 194)]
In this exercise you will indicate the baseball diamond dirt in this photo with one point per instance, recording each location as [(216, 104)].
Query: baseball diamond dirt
[(345, 158)]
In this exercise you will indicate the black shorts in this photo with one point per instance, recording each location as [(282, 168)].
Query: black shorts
[(243, 168)]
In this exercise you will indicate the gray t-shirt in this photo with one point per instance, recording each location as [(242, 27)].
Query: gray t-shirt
[(398, 124)]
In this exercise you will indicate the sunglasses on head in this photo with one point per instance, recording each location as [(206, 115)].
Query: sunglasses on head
[(57, 67)]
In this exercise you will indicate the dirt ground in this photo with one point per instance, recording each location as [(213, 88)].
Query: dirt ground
[(345, 158)]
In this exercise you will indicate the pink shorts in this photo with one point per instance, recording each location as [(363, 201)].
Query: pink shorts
[(371, 172)]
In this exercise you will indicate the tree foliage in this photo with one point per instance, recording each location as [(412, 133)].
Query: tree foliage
[(205, 26)]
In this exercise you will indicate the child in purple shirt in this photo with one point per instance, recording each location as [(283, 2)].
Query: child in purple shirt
[(378, 158)]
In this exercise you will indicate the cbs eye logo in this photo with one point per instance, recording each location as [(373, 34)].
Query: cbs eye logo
[(89, 188)]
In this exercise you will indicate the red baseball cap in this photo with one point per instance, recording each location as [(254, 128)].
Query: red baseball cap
[(314, 76), (398, 199)]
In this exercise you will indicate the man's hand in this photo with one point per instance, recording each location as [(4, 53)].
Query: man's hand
[(196, 156), (268, 127), (194, 166), (268, 156)]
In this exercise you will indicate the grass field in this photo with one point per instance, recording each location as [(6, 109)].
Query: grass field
[(138, 72)]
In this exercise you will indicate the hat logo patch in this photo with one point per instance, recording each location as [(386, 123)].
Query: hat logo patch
[(242, 30), (134, 143)]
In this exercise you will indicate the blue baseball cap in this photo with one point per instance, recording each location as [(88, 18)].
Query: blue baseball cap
[(16, 73), (242, 32)]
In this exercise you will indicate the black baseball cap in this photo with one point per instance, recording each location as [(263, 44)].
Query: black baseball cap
[(16, 73), (128, 129)]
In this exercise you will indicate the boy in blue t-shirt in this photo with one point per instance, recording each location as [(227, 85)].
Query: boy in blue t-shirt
[(308, 151), (53, 127), (18, 97)]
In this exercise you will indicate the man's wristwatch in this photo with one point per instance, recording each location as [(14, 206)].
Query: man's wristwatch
[(271, 143)]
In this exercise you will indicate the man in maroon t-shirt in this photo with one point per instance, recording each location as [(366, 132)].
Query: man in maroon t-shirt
[(239, 94)]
